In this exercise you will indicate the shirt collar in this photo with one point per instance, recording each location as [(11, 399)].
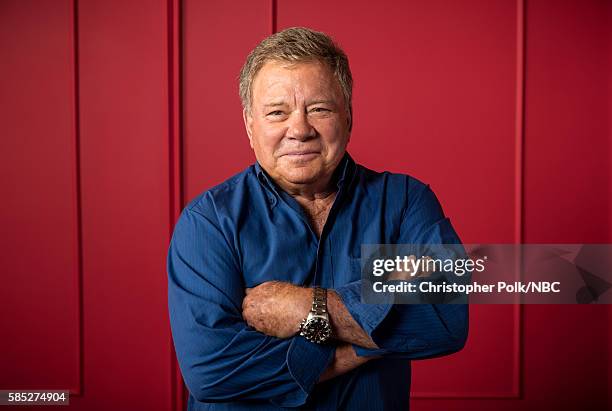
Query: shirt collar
[(344, 173), (346, 168)]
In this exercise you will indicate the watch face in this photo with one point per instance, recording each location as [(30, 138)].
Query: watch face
[(317, 330)]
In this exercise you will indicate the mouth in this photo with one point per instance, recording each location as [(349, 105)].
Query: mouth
[(301, 155)]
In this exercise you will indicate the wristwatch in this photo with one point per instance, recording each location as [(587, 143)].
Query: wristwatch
[(316, 326)]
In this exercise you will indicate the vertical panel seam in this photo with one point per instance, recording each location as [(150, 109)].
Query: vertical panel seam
[(77, 194), (519, 182), (175, 163)]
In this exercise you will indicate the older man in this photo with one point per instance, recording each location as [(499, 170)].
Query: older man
[(264, 272)]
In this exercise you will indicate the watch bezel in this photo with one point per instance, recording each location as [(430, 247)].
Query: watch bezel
[(308, 327)]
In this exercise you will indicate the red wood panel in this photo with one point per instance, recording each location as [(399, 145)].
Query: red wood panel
[(568, 192), (38, 213), (435, 86), (215, 145), (568, 122), (123, 58)]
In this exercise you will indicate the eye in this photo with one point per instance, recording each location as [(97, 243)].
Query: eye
[(319, 110), (275, 113)]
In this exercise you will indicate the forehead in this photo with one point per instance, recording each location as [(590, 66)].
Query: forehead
[(279, 78)]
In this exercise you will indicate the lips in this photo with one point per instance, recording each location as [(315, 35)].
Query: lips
[(301, 153)]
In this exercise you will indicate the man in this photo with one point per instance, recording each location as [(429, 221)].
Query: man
[(264, 269)]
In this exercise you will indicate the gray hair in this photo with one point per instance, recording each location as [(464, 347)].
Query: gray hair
[(297, 44)]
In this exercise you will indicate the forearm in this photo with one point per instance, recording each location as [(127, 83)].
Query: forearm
[(344, 327), (276, 308), (344, 361)]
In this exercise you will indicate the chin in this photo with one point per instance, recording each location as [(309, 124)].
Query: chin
[(302, 176)]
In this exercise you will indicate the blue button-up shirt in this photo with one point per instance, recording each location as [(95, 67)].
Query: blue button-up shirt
[(246, 231)]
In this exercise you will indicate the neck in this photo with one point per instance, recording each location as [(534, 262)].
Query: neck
[(321, 190)]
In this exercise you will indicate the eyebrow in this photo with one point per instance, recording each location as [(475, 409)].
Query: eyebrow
[(275, 104), (322, 101)]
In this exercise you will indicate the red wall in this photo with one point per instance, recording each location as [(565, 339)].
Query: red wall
[(117, 112)]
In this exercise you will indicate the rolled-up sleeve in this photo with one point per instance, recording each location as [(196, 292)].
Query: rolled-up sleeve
[(220, 356), (412, 331)]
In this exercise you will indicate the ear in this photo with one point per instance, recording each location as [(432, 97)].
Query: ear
[(350, 123), (350, 119), (248, 125)]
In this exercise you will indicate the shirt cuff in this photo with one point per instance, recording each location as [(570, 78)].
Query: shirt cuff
[(306, 362), (368, 316), (369, 352)]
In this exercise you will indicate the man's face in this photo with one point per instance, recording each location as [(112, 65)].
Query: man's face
[(298, 125)]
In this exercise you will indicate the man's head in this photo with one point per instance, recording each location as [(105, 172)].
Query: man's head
[(296, 91)]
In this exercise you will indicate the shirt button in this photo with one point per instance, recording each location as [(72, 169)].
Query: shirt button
[(272, 200)]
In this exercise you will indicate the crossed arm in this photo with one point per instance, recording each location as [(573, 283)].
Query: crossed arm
[(222, 358), (276, 308)]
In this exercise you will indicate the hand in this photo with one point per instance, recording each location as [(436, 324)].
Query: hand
[(276, 308), (344, 361)]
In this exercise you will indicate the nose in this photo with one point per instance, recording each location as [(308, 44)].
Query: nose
[(299, 128)]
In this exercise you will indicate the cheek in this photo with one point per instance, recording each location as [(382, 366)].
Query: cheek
[(334, 136), (333, 129), (268, 137)]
